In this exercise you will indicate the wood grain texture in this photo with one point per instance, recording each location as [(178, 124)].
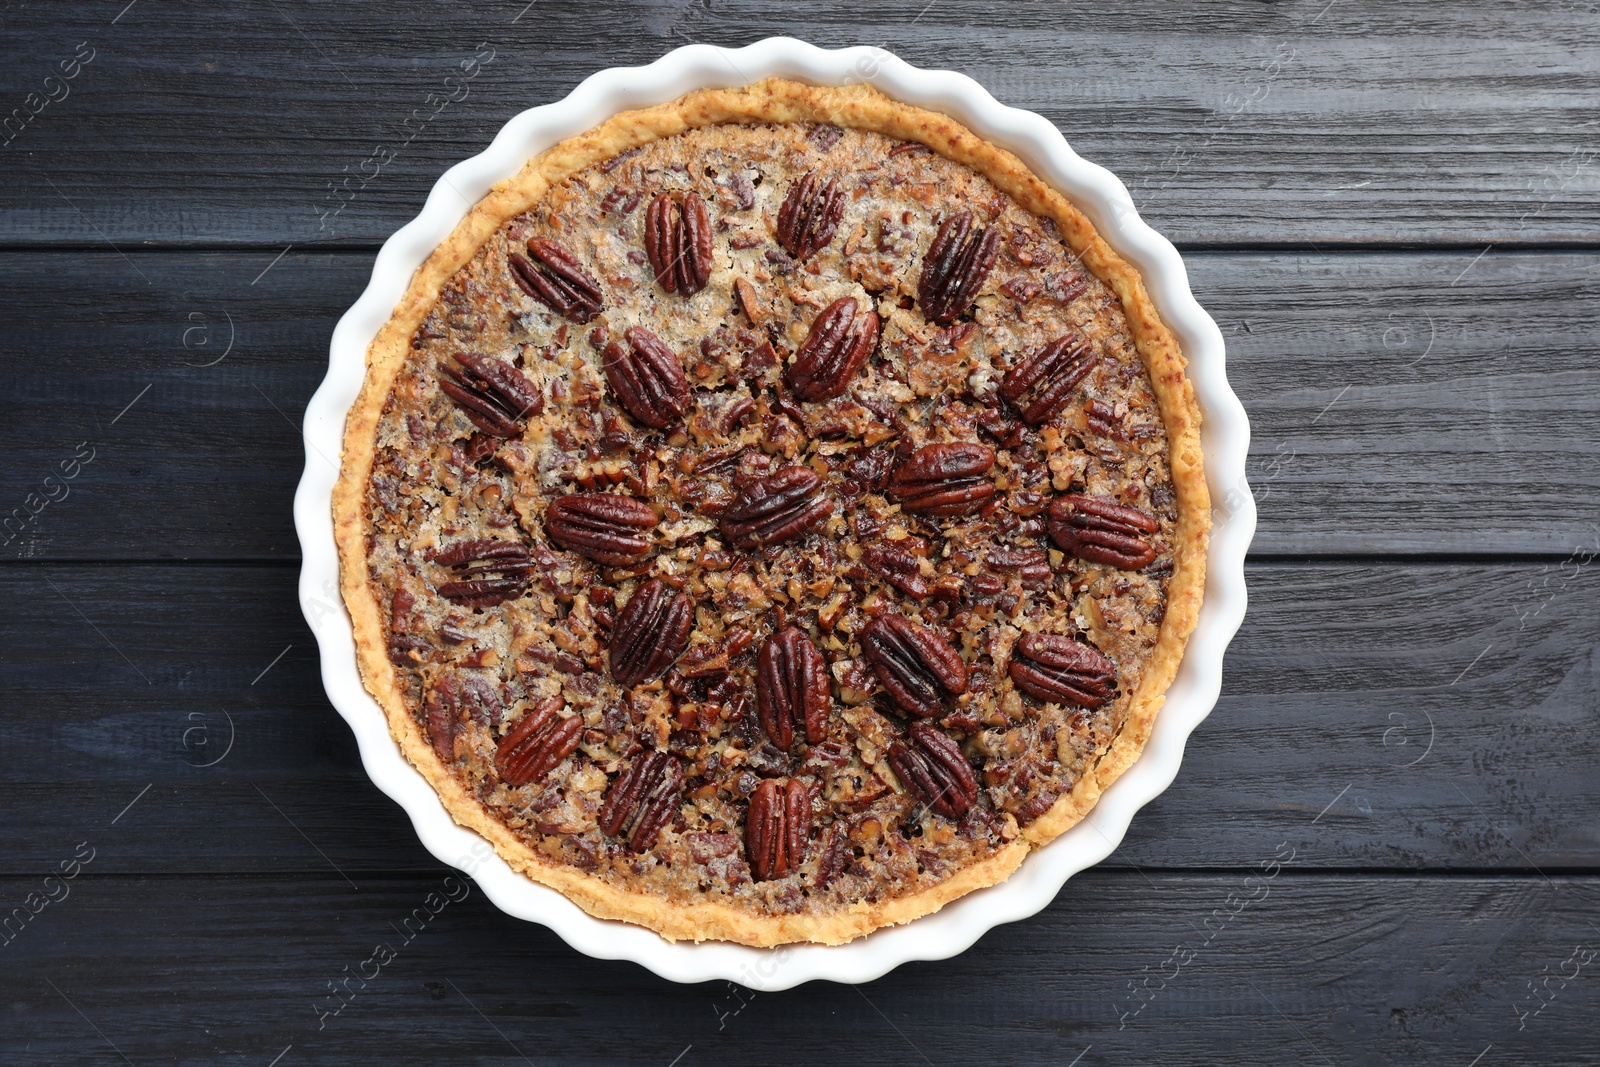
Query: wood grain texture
[(1397, 717), (1294, 122), (1296, 969), (1417, 402)]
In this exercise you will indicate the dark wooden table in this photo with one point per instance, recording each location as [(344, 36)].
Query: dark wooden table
[(1393, 211)]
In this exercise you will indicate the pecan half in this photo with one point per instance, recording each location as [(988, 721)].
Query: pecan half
[(892, 563), (935, 771), (539, 741), (1032, 565), (488, 572), (643, 800), (945, 479), (677, 238), (605, 527), (749, 302), (647, 378), (839, 343), (492, 394), (554, 277), (650, 633), (914, 664), (443, 726), (809, 216), (777, 828), (955, 268), (406, 648), (778, 507), (792, 688), (454, 698), (836, 855), (1099, 530), (1040, 386), (1060, 670)]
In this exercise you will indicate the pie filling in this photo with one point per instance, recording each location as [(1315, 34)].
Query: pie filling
[(777, 515)]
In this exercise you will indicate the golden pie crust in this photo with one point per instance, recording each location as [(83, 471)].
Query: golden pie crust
[(775, 101)]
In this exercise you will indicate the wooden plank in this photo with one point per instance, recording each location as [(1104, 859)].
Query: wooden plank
[(1418, 403), (1400, 402), (1297, 968), (300, 123), (185, 378), (1382, 716)]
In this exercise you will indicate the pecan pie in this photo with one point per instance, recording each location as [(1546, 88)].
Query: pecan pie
[(771, 514)]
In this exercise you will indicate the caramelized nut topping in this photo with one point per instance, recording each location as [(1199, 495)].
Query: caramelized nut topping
[(489, 572), (945, 479), (455, 699), (1100, 530), (651, 632), (647, 378), (642, 801), (809, 216), (605, 527), (839, 343), (916, 666), (677, 239), (792, 688), (934, 770), (539, 741), (556, 279), (1054, 668), (779, 507), (955, 268), (493, 395), (777, 828), (1041, 384)]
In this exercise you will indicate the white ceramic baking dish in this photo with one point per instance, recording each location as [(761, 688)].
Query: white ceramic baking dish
[(1098, 193)]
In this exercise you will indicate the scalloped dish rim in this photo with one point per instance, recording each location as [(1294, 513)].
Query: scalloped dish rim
[(1224, 441)]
